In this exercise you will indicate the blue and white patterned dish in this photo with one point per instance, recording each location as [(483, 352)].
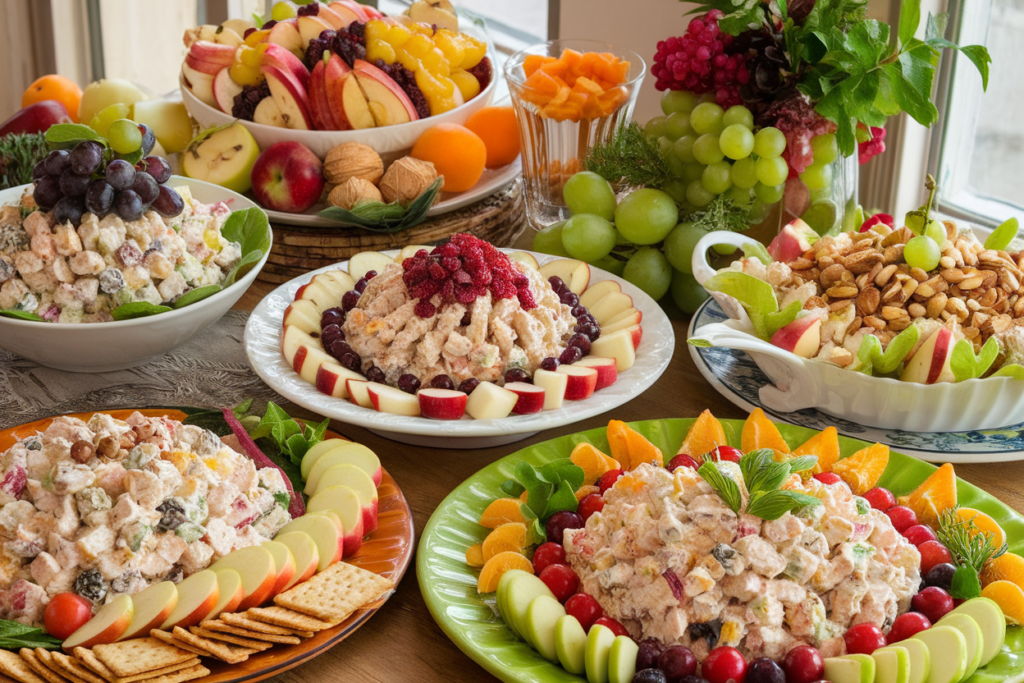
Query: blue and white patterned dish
[(738, 378)]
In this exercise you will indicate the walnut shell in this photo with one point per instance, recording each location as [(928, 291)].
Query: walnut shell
[(352, 191), (407, 179), (353, 160)]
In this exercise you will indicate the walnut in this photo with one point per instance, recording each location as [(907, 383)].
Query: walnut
[(407, 179), (353, 160), (352, 191)]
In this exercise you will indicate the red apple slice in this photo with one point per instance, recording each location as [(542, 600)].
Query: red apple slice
[(388, 103), (531, 397), (593, 294), (304, 315), (329, 539), (387, 399), (365, 261), (267, 114), (304, 552), (344, 503), (792, 241), (554, 385), (361, 12), (360, 482), (108, 625), (345, 453), (580, 381), (198, 596), (561, 268), (347, 103), (442, 404), (629, 317), (289, 96), (617, 345), (286, 34), (200, 84), (225, 90), (256, 567), (610, 305), (345, 13), (284, 565), (931, 362), (209, 57), (322, 293), (332, 379), (525, 258), (303, 353), (606, 369), (341, 279), (335, 19), (229, 586), (311, 27), (802, 336), (359, 392), (150, 608), (490, 402), (319, 108), (275, 55), (316, 452)]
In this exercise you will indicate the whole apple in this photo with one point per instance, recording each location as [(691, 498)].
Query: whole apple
[(287, 176)]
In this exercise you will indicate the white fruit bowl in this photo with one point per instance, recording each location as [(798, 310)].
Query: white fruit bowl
[(102, 347), (801, 383)]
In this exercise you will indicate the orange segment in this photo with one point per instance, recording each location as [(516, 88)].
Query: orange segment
[(1006, 567), (630, 446), (824, 445), (498, 565), (584, 491), (475, 556), (1010, 598), (706, 434), (502, 511), (863, 469), (983, 524), (506, 538), (592, 461), (524, 496), (935, 495), (760, 432), (612, 463)]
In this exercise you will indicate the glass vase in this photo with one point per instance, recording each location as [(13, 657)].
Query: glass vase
[(829, 209)]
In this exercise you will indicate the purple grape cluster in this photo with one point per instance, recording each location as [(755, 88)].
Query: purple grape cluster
[(246, 101), (348, 43), (406, 80), (585, 331)]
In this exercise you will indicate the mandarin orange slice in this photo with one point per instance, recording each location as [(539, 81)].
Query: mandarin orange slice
[(1006, 567), (475, 555), (507, 537), (706, 434), (935, 495), (498, 565), (760, 432), (824, 445), (1010, 598), (984, 524), (630, 446), (593, 462), (502, 511), (863, 469), (584, 491)]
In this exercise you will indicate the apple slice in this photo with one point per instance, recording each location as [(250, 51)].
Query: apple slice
[(579, 280), (411, 250), (554, 385), (344, 12), (365, 261), (336, 20), (340, 278), (200, 84), (802, 337), (361, 12), (345, 453), (304, 315), (284, 565), (310, 28), (580, 381), (607, 371), (344, 504), (319, 107), (442, 404), (561, 268), (224, 90), (303, 353), (275, 55), (289, 96), (229, 583), (628, 318), (531, 397), (387, 399), (267, 114), (332, 379), (345, 97), (610, 305), (150, 608), (931, 363), (256, 566), (792, 241), (525, 258), (108, 625), (322, 293), (359, 392), (210, 58), (305, 554), (198, 596), (329, 539), (490, 402), (594, 293), (357, 480), (388, 103), (286, 34), (617, 345)]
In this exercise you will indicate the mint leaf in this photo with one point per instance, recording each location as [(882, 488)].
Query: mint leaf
[(512, 488), (771, 505), (563, 469), (197, 294), (754, 462), (563, 499), (137, 309), (67, 135), (966, 584), (723, 485), (910, 17), (802, 463), (21, 315)]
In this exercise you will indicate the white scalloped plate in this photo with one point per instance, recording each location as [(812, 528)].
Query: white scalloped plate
[(263, 347)]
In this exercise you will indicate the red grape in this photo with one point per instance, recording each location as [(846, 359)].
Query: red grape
[(803, 664), (559, 522), (677, 662), (727, 453), (585, 608), (764, 670), (589, 504), (940, 575), (933, 602), (607, 479), (616, 628), (560, 580), (919, 533), (880, 499), (907, 625), (863, 639), (828, 477), (933, 553), (902, 517), (648, 654), (724, 664), (547, 554), (682, 460)]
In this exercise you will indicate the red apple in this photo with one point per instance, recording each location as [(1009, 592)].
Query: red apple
[(208, 57), (286, 34), (225, 90), (356, 479), (284, 565), (319, 106), (442, 404), (931, 362), (150, 608), (346, 99), (606, 370), (618, 345), (490, 402), (387, 101), (554, 384), (288, 177), (332, 379), (359, 392), (255, 564), (278, 56), (580, 381), (305, 553), (107, 626), (610, 306), (596, 291), (326, 534), (35, 118), (230, 593), (796, 238), (802, 337)]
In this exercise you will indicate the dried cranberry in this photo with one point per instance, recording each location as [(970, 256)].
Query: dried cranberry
[(424, 309), (370, 274), (332, 316), (409, 383), (129, 255), (517, 375), (569, 299), (468, 385), (593, 332), (570, 355), (331, 334), (581, 342), (351, 361), (360, 285), (578, 311), (442, 382), (375, 374), (339, 348), (556, 284), (349, 301), (550, 364)]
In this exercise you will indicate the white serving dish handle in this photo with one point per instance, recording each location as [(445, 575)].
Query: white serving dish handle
[(703, 271)]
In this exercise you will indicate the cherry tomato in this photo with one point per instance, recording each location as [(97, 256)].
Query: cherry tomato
[(607, 479), (547, 554), (560, 580), (589, 504), (933, 553), (723, 664), (828, 477), (727, 453), (933, 602), (585, 608), (863, 639), (803, 664), (682, 460), (919, 533), (617, 628), (902, 517), (880, 499), (906, 625), (65, 614)]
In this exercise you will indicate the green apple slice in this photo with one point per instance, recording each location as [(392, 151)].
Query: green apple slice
[(843, 670), (920, 660), (571, 645), (599, 647), (500, 595), (972, 635), (892, 664), (867, 666), (541, 617), (519, 593), (992, 623), (947, 648), (622, 660)]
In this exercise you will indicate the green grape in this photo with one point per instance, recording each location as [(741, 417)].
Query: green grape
[(655, 128), (680, 243), (683, 148), (738, 114), (769, 194), (549, 240), (922, 252), (740, 196), (821, 215), (817, 177), (707, 97), (769, 143), (677, 167), (587, 192), (707, 150), (646, 216), (737, 142), (707, 118), (588, 237), (825, 148), (124, 136), (716, 177), (758, 212), (665, 146), (744, 173), (937, 231), (649, 270), (691, 172), (771, 171), (678, 101), (677, 125), (698, 195), (282, 11), (676, 189), (724, 249), (687, 292), (611, 264), (106, 116)]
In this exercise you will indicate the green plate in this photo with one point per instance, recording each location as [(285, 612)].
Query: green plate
[(448, 584)]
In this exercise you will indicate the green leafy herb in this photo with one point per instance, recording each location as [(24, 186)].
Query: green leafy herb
[(21, 315), (771, 505), (251, 229), (290, 436), (763, 477), (966, 542), (197, 294), (966, 584), (802, 463), (549, 488), (67, 135), (19, 153), (138, 309), (724, 486), (385, 218), (630, 157), (1002, 236), (14, 636), (722, 214), (966, 365)]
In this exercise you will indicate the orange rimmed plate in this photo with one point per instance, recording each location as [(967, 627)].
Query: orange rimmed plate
[(387, 551)]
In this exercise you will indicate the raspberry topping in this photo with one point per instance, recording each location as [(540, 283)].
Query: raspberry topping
[(463, 269)]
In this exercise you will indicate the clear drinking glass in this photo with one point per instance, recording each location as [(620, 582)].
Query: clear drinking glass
[(553, 150)]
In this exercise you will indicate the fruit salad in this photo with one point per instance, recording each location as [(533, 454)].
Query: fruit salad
[(460, 329), (760, 562), (337, 66)]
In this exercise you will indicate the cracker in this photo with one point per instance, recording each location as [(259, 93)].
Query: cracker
[(189, 674), (250, 643), (219, 649), (140, 655), (221, 627), (242, 621), (17, 668), (336, 592), (32, 660), (47, 659), (282, 616), (90, 661), (72, 667), (168, 638)]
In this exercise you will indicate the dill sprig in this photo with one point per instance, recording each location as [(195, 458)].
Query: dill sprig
[(19, 152), (632, 157), (721, 214), (968, 545)]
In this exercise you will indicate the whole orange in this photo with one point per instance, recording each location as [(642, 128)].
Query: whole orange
[(497, 127), (54, 87), (456, 152)]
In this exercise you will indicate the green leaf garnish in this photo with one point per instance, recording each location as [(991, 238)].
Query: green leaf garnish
[(549, 488), (138, 309), (874, 361), (966, 584), (290, 436), (14, 636), (251, 229), (802, 463), (385, 218), (968, 544), (197, 294), (724, 486), (512, 488), (769, 505), (966, 365), (67, 135), (21, 315), (1002, 236)]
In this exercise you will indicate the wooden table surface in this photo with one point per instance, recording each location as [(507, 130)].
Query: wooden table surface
[(402, 642)]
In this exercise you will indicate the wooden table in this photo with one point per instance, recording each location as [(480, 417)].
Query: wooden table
[(402, 642)]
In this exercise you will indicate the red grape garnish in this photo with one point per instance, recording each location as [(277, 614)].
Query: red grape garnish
[(548, 554), (863, 639), (933, 602), (585, 608), (589, 504), (803, 664), (724, 664), (880, 499), (906, 625), (902, 517), (933, 553), (560, 580)]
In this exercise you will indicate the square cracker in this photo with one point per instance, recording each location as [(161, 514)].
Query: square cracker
[(189, 674), (92, 662), (17, 668), (140, 655), (30, 658), (47, 660), (219, 649), (250, 643), (242, 621), (169, 638), (221, 627), (336, 592), (72, 668), (282, 616), (86, 657)]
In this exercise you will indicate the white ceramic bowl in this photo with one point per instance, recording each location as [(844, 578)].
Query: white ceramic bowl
[(390, 142), (101, 347), (800, 383)]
